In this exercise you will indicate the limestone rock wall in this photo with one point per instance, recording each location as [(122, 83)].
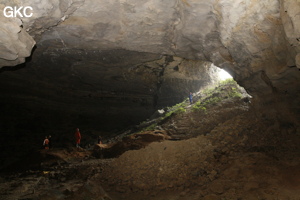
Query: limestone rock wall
[(119, 88), (290, 14), (46, 13), (15, 43), (181, 76), (98, 63), (244, 37), (256, 41)]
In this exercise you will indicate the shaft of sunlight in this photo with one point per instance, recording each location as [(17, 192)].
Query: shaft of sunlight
[(223, 75)]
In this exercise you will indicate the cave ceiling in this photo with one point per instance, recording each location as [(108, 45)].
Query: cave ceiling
[(258, 42), (244, 37)]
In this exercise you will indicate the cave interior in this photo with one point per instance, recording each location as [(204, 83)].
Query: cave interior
[(106, 66)]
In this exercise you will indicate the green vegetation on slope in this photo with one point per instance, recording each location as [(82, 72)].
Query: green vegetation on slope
[(178, 108), (210, 96)]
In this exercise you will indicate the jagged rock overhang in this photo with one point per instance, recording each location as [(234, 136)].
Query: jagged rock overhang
[(243, 37), (258, 46)]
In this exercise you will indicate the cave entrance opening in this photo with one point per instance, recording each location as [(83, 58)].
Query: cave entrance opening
[(224, 75), (220, 79), (212, 97)]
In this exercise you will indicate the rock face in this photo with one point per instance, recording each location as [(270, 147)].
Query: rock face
[(98, 89), (246, 38), (231, 34), (15, 44), (139, 55), (290, 19)]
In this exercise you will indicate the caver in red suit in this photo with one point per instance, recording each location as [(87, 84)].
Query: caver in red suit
[(77, 137)]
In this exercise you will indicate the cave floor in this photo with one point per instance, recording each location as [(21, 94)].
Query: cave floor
[(242, 157), (231, 174)]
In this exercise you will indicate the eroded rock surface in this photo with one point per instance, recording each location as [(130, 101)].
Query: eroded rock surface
[(138, 55), (231, 33), (243, 156), (101, 92), (16, 44), (249, 39)]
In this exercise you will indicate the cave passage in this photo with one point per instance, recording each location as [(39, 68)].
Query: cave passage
[(123, 70), (106, 96), (39, 102)]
